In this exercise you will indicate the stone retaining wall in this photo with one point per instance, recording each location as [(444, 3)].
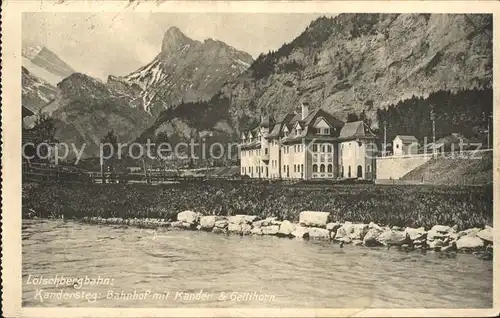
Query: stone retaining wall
[(314, 225)]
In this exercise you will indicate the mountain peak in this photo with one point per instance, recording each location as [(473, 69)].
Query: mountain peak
[(174, 39)]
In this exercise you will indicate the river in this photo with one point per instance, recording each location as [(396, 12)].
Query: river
[(164, 266)]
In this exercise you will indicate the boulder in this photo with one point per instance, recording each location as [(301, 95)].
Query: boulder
[(299, 231), (353, 231), (392, 237), (246, 229), (342, 232), (258, 223), (207, 222), (188, 225), (469, 242), (318, 233), (416, 234), (239, 228), (256, 231), (333, 226), (175, 224), (233, 227), (218, 230), (188, 217), (373, 225), (221, 223), (486, 234), (357, 242), (270, 221), (242, 218), (286, 228), (469, 232), (448, 248), (370, 238), (270, 230), (436, 243), (358, 231), (313, 218), (442, 228), (439, 232)]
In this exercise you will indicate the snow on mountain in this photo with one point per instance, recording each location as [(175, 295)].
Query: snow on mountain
[(45, 64), (184, 70)]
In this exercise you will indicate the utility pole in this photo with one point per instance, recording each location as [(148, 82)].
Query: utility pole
[(433, 118), (384, 153), (487, 117)]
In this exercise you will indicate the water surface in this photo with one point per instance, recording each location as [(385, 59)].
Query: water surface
[(250, 271)]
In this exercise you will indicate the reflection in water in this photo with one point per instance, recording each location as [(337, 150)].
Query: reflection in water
[(196, 269)]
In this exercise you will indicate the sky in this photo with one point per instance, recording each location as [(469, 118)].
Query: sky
[(102, 44)]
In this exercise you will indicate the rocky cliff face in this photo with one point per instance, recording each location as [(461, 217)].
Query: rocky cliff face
[(184, 70), (357, 62)]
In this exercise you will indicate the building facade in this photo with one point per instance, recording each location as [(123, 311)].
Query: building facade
[(404, 145), (308, 145)]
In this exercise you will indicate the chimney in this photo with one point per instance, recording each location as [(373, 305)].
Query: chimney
[(305, 109)]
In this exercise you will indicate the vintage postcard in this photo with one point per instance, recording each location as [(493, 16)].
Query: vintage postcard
[(236, 158)]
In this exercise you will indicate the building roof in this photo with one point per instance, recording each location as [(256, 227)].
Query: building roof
[(407, 139), (291, 120), (356, 129), (251, 145)]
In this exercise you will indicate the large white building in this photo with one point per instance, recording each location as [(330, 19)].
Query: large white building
[(308, 145)]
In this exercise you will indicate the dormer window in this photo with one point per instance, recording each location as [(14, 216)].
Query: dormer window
[(299, 131)]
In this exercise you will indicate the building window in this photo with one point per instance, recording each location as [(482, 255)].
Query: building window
[(349, 172), (323, 148), (322, 157), (368, 168), (265, 151), (302, 167), (322, 168), (287, 171), (330, 168), (341, 171), (360, 172), (315, 168), (294, 168), (329, 148), (295, 148), (284, 169), (315, 148), (397, 145)]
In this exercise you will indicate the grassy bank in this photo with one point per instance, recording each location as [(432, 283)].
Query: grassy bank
[(386, 205)]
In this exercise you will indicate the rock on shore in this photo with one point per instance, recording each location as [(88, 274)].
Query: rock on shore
[(314, 225)]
